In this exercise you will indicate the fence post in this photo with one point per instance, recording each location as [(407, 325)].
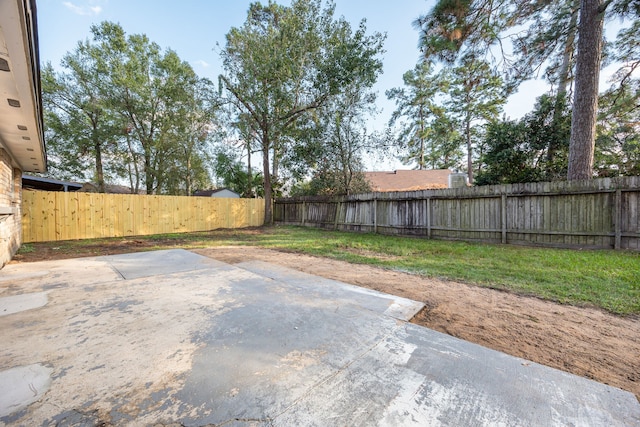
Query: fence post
[(304, 212), (618, 220), (428, 217), (375, 213), (284, 213), (335, 222), (503, 217)]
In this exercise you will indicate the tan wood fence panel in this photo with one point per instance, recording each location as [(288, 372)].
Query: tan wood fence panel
[(50, 216), (600, 213)]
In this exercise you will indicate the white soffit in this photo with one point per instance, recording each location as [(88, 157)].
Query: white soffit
[(20, 116)]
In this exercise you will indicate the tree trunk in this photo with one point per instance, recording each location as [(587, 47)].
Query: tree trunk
[(421, 113), (266, 170), (469, 149), (135, 187), (276, 162), (99, 171), (97, 146), (148, 172), (249, 190), (188, 180), (585, 101), (99, 168), (563, 72), (563, 83)]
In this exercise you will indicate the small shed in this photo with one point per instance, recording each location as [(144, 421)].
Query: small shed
[(220, 192)]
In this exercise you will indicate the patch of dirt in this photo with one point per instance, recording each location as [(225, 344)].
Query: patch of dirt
[(584, 341), (48, 251)]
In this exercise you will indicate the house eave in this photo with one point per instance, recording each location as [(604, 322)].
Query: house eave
[(21, 124)]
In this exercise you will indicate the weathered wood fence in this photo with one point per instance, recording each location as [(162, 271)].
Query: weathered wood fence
[(50, 215), (601, 213)]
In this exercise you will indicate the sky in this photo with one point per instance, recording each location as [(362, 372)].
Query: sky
[(196, 30)]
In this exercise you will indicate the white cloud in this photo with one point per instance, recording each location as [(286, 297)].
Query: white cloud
[(82, 10), (202, 63)]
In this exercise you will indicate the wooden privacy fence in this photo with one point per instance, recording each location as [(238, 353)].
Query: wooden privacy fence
[(600, 213), (50, 215)]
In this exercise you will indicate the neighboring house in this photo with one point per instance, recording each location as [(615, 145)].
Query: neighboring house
[(22, 147), (89, 187), (47, 184), (220, 192), (408, 180), (30, 182)]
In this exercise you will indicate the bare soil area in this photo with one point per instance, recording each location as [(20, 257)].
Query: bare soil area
[(584, 341)]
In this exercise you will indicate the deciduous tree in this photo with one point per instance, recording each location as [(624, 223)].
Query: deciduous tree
[(517, 151), (286, 62), (338, 166), (132, 109), (82, 131), (154, 93)]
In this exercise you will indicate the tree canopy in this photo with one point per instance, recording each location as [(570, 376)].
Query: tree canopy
[(284, 63), (131, 110), (454, 28), (296, 93)]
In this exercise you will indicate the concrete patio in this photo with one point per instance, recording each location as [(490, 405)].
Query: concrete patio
[(175, 338)]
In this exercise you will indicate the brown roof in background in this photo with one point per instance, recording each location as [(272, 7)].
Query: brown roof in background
[(408, 180), (89, 187)]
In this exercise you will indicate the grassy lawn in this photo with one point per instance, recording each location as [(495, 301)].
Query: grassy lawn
[(606, 279)]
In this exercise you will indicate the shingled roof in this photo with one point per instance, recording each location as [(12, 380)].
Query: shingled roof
[(89, 187), (408, 180)]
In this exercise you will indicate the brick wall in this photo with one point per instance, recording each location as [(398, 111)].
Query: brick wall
[(10, 208)]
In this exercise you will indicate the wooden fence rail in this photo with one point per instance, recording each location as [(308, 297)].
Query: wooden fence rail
[(600, 213), (49, 215)]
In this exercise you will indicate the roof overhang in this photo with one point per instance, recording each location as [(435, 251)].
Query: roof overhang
[(47, 184), (21, 125)]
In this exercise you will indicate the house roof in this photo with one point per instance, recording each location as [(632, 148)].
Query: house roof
[(408, 180), (48, 184), (209, 193), (89, 187), (21, 128)]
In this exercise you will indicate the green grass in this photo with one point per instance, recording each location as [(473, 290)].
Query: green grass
[(606, 279), (27, 248)]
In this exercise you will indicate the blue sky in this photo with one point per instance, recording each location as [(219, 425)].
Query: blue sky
[(193, 28)]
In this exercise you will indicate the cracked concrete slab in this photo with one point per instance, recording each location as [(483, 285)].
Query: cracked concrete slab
[(174, 338)]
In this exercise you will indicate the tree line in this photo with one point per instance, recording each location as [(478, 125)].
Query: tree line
[(124, 109), (295, 94), (476, 53)]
